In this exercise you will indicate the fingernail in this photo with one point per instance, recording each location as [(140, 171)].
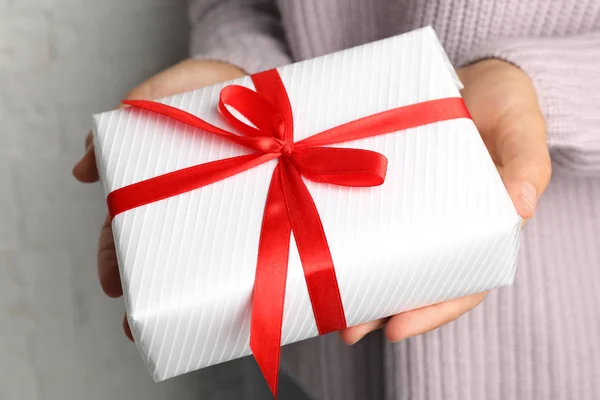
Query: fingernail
[(356, 338), (365, 329), (528, 197), (354, 341)]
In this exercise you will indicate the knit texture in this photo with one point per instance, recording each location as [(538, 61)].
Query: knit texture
[(538, 339)]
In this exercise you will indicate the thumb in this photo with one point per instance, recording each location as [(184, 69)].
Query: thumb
[(523, 156), (187, 75), (85, 169)]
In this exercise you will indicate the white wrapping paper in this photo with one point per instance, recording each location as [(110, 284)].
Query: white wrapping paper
[(441, 226)]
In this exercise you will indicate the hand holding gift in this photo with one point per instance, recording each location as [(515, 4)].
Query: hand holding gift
[(184, 76), (520, 175), (503, 104)]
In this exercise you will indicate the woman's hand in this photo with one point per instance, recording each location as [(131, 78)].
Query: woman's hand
[(185, 76), (504, 106)]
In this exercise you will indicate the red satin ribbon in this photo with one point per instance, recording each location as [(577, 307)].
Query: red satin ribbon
[(289, 206)]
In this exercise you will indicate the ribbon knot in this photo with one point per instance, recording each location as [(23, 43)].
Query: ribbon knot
[(287, 149), (289, 206)]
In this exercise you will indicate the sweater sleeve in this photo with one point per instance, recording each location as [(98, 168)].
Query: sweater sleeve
[(244, 33), (566, 74)]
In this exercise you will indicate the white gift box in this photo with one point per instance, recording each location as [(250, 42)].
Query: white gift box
[(441, 226)]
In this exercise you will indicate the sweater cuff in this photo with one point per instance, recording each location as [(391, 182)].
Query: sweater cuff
[(250, 38), (248, 61), (564, 72)]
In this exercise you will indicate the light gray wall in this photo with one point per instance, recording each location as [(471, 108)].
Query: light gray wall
[(61, 61)]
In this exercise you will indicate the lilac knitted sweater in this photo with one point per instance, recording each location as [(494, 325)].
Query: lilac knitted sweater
[(538, 339)]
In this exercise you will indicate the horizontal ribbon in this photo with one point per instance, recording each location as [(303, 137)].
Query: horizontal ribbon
[(289, 206)]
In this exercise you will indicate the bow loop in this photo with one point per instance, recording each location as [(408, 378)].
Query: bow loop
[(341, 166), (263, 144), (265, 117)]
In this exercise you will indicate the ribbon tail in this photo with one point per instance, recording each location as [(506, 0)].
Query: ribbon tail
[(261, 144), (314, 252), (269, 285)]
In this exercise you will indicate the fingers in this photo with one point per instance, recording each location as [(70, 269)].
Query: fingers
[(85, 169), (354, 334), (425, 319), (415, 322), (524, 158), (185, 76), (108, 269), (126, 328)]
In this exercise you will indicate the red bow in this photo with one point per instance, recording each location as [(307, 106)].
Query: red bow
[(289, 205)]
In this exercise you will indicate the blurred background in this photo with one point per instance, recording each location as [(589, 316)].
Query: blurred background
[(60, 62)]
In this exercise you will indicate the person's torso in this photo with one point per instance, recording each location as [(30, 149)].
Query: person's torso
[(316, 27)]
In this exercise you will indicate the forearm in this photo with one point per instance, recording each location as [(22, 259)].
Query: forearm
[(245, 33)]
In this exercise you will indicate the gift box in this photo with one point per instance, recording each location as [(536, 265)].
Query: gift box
[(298, 201)]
